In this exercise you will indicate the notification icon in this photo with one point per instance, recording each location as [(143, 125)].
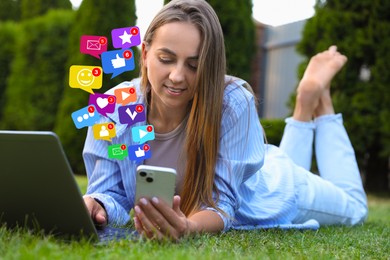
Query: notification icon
[(104, 131), (85, 77), (117, 62), (123, 38), (117, 151), (125, 95), (105, 104), (139, 152), (132, 114), (142, 134), (86, 116), (93, 45)]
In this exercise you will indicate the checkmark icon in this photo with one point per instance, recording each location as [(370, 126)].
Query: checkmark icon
[(132, 115)]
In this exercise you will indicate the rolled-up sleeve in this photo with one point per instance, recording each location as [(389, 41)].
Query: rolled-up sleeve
[(105, 181), (241, 152)]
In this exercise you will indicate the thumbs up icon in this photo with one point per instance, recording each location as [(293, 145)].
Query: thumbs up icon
[(139, 153), (118, 62)]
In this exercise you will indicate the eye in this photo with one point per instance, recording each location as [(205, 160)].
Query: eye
[(165, 60), (193, 66)]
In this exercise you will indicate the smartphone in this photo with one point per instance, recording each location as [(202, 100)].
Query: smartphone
[(155, 181)]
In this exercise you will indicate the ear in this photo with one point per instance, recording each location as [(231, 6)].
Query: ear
[(144, 48)]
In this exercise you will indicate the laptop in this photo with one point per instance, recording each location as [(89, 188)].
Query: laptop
[(38, 190)]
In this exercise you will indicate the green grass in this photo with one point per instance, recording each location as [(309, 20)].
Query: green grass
[(369, 241)]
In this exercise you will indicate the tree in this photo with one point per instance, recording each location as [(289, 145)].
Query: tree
[(35, 82), (8, 37), (33, 8), (9, 10), (239, 31), (94, 17), (361, 30)]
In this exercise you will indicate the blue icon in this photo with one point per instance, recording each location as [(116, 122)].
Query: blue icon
[(117, 61), (142, 134), (86, 116), (139, 152)]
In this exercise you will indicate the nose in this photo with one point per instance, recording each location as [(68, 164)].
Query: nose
[(177, 74)]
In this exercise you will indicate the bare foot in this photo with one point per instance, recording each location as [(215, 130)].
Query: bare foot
[(313, 93)]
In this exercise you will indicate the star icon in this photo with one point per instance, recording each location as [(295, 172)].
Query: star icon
[(126, 38)]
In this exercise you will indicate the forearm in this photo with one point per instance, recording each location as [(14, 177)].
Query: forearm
[(205, 221)]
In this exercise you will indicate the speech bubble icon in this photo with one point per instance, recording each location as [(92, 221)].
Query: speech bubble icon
[(85, 77), (123, 38), (139, 152), (105, 104), (117, 62), (125, 95), (86, 116), (93, 45), (104, 131), (143, 133), (131, 114), (117, 151)]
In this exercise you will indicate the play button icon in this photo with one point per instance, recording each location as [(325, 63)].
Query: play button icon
[(143, 133)]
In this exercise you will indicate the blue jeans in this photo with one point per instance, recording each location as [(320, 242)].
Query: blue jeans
[(336, 196)]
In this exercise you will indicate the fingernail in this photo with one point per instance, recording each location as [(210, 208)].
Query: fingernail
[(144, 201), (137, 210), (155, 200)]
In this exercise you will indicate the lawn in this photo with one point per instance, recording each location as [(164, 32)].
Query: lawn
[(369, 241)]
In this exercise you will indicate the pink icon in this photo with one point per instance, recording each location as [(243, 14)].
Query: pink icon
[(93, 45)]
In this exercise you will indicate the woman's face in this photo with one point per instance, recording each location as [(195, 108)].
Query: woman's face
[(171, 61)]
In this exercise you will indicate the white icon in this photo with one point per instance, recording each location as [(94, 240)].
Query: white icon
[(139, 153), (85, 78), (125, 95), (142, 133), (93, 45), (102, 102), (132, 115), (85, 117), (103, 131), (126, 38), (117, 151), (118, 62)]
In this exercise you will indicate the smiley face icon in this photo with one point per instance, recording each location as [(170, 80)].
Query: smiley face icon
[(86, 78)]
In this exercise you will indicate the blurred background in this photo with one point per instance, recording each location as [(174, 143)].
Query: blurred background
[(268, 44)]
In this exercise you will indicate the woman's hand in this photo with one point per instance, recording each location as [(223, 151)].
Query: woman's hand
[(96, 211), (155, 219)]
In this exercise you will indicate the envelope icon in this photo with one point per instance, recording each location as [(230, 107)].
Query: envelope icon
[(93, 45)]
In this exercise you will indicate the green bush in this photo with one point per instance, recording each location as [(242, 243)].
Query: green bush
[(36, 81), (273, 129), (8, 34), (361, 30)]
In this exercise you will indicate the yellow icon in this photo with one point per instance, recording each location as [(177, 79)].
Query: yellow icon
[(104, 131), (86, 78)]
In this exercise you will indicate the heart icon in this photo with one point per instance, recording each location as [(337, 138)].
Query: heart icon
[(102, 102)]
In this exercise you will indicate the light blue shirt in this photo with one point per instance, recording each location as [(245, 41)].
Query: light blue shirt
[(251, 194)]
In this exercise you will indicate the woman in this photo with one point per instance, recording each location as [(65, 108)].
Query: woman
[(207, 128)]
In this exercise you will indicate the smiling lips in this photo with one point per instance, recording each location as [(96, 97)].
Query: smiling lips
[(174, 91)]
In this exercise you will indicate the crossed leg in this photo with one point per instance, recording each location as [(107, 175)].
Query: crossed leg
[(337, 197)]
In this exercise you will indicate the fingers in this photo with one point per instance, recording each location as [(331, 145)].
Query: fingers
[(156, 219), (154, 223), (96, 211), (332, 49)]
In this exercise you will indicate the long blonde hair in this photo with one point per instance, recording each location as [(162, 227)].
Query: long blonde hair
[(205, 110)]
